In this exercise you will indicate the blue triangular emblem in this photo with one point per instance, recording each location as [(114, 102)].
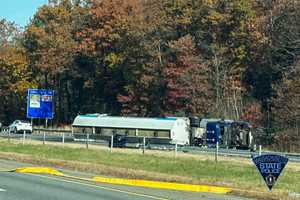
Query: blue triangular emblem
[(270, 166)]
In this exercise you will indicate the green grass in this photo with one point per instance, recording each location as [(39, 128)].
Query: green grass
[(232, 174)]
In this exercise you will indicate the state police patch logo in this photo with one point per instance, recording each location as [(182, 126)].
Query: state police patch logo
[(270, 167)]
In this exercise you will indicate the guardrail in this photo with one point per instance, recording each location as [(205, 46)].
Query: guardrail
[(51, 130), (66, 136)]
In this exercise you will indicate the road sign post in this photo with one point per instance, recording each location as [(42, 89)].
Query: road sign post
[(259, 151)]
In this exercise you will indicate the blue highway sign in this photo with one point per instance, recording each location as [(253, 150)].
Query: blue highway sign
[(40, 104), (270, 166)]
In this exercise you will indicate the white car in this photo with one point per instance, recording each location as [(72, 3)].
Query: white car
[(20, 126)]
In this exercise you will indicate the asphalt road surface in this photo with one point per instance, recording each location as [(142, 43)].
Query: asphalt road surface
[(15, 186), (37, 187)]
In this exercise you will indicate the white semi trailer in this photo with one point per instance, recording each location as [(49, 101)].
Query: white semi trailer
[(172, 129)]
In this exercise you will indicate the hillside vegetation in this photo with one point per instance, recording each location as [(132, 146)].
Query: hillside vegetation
[(235, 59)]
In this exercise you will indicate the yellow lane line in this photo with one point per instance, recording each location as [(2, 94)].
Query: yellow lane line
[(101, 187), (164, 185), (39, 170), (131, 182)]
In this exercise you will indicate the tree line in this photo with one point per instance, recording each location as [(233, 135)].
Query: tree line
[(236, 59)]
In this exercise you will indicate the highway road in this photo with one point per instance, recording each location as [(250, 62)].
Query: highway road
[(35, 187), (15, 186)]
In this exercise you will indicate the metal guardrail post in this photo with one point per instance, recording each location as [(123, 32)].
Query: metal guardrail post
[(44, 138), (144, 144), (8, 136), (176, 147), (87, 140), (63, 139), (111, 143), (217, 152), (24, 137)]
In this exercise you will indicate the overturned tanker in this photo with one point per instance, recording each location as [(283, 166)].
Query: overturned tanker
[(166, 130)]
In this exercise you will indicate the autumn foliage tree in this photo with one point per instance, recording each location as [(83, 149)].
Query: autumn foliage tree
[(108, 40), (186, 78), (252, 113), (51, 48), (16, 75), (285, 105), (234, 59), (286, 111)]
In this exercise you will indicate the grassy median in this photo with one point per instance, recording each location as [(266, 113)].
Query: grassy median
[(238, 175)]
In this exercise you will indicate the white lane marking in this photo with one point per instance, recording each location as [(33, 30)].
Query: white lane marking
[(2, 190)]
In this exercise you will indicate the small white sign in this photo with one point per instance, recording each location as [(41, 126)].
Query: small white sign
[(35, 101), (46, 98)]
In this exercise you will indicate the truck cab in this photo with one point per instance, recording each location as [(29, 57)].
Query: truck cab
[(228, 133), (213, 133)]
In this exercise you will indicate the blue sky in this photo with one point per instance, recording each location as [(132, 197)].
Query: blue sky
[(19, 11)]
